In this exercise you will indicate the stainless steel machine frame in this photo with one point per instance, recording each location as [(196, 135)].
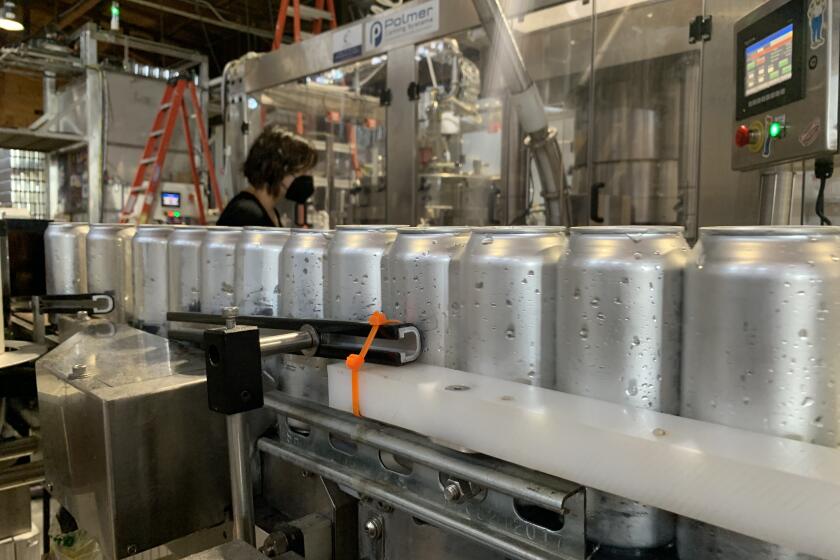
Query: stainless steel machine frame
[(107, 470), (253, 74), (83, 117)]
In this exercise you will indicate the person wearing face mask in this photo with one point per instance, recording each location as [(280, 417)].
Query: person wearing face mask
[(275, 169)]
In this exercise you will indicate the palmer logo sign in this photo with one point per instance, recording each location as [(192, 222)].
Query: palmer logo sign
[(402, 23)]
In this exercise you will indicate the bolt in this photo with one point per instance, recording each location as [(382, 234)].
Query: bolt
[(230, 313), (452, 492), (374, 527), (457, 388), (131, 549), (79, 371), (305, 474), (82, 316), (50, 487)]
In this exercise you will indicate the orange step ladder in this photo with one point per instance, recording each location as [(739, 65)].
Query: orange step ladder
[(154, 155), (316, 13)]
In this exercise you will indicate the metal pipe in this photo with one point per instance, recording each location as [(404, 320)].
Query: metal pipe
[(18, 448), (428, 512), (239, 459), (371, 433), (218, 23), (286, 343), (531, 111), (21, 475)]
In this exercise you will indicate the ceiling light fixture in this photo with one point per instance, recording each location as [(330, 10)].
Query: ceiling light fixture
[(8, 18)]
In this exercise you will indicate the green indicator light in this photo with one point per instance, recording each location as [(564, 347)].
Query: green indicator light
[(775, 129), (177, 214), (115, 9)]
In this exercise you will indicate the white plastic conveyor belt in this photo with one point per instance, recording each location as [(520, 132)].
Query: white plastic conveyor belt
[(774, 489)]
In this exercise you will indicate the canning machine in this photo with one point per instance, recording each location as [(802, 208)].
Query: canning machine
[(642, 388), (448, 431)]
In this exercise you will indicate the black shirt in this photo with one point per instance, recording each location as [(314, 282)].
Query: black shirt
[(245, 210)]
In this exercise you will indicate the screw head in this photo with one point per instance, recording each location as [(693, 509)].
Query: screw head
[(374, 528), (79, 371), (457, 388), (452, 492), (228, 312)]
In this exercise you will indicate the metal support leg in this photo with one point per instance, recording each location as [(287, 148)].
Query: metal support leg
[(39, 328), (240, 478), (239, 460)]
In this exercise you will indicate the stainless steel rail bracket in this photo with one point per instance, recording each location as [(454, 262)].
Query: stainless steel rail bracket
[(500, 520)]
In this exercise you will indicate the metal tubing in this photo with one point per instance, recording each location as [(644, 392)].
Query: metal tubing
[(18, 448), (21, 475), (286, 343), (240, 478), (436, 516), (264, 33), (531, 111), (365, 431), (501, 37), (549, 162)]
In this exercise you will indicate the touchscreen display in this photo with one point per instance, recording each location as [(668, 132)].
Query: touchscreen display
[(769, 61), (170, 199)]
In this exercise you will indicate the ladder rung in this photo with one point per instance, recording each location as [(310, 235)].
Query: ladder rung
[(166, 106), (147, 161), (137, 190), (156, 133), (308, 13)]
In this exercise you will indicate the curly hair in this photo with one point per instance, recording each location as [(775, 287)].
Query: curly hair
[(275, 154)]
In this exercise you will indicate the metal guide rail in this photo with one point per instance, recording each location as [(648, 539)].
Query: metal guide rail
[(233, 358), (396, 344), (519, 512)]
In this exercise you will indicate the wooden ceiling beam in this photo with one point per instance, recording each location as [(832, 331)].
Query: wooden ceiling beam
[(71, 17)]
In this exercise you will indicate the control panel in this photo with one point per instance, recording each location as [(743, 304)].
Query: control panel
[(175, 204), (786, 79)]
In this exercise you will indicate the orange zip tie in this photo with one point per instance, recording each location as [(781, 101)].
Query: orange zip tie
[(356, 361)]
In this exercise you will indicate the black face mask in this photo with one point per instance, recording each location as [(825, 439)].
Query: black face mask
[(301, 189)]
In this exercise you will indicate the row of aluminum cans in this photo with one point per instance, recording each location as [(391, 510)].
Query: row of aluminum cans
[(738, 330)]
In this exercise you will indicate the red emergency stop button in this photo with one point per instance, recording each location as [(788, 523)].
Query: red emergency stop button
[(742, 136)]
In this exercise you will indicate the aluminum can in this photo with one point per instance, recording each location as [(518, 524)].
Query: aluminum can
[(761, 321), (415, 284), (218, 262), (503, 303), (151, 274), (184, 256), (619, 297), (66, 258), (303, 267), (353, 280), (258, 277), (110, 267)]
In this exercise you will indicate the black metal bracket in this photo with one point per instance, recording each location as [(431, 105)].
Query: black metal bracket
[(94, 304), (700, 29), (234, 369), (593, 203), (414, 91), (385, 97)]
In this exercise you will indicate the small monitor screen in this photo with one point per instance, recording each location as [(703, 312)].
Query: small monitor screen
[(170, 199), (769, 61)]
